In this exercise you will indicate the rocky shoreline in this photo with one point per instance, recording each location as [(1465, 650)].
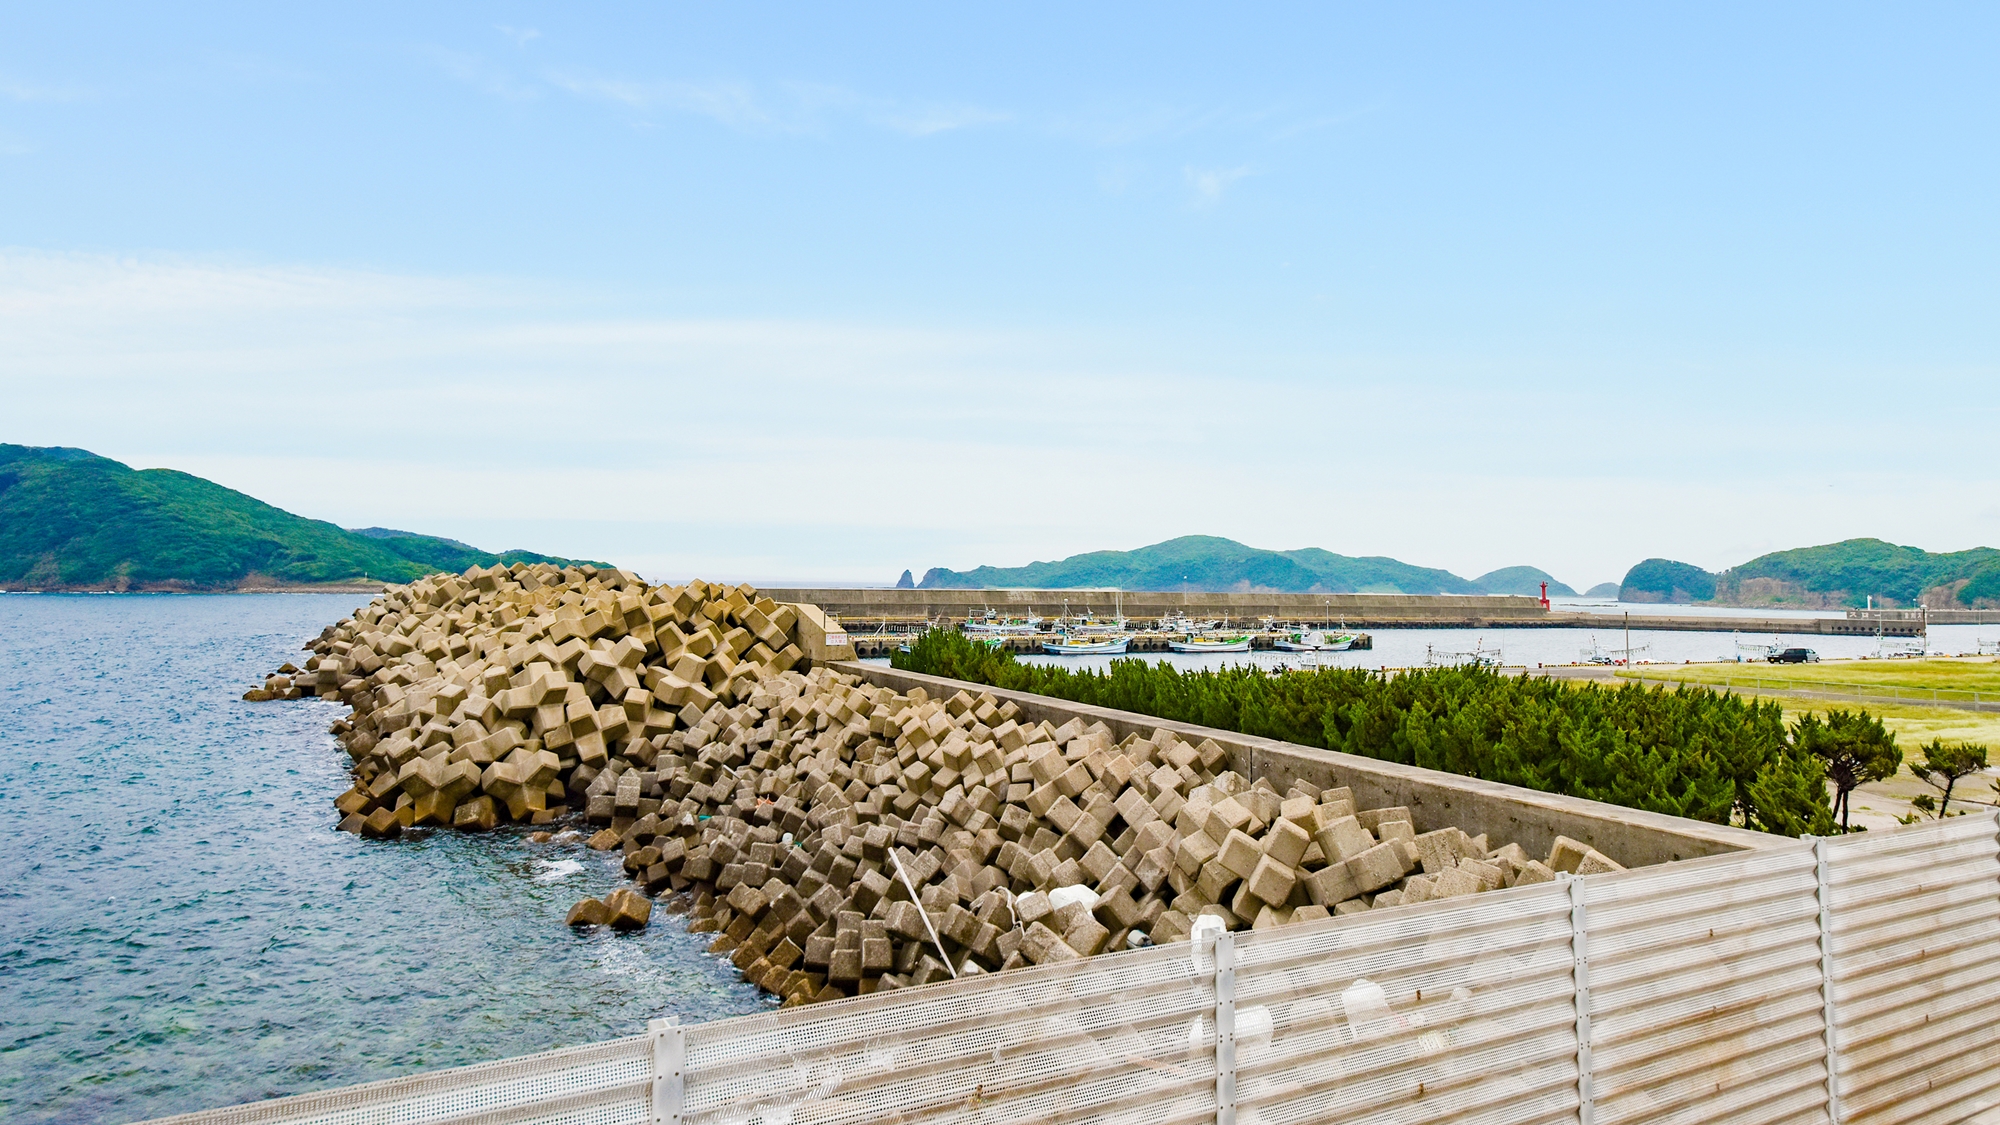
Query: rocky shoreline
[(837, 838)]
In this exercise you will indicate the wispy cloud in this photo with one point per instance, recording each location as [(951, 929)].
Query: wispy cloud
[(1210, 183), (730, 103), (484, 76), (930, 120), (520, 35), (785, 107), (15, 90)]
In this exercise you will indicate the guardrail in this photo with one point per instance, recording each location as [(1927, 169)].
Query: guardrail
[(1854, 980)]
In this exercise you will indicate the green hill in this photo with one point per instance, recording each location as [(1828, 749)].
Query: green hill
[(1664, 580), (1524, 580), (1206, 562), (70, 519), (1846, 573)]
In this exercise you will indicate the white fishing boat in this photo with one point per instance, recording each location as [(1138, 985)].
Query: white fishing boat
[(1597, 654), (1195, 642), (1313, 640), (1091, 645), (1182, 623), (1479, 656), (1751, 651), (993, 625)]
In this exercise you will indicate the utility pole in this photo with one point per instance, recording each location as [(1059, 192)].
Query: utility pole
[(1628, 638)]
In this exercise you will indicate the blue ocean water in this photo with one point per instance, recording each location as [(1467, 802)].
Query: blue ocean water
[(181, 927)]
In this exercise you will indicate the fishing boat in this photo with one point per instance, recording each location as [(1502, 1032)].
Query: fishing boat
[(1089, 625), (1479, 657), (1751, 651), (1090, 645), (1195, 642), (1313, 640), (1182, 623), (1596, 654), (993, 625)]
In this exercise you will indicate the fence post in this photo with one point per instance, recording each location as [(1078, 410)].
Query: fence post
[(1586, 1105), (1823, 894), (1225, 1028), (669, 1059)]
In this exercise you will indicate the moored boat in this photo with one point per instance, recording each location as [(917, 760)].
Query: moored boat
[(1193, 643), (992, 625), (1314, 640), (1086, 646)]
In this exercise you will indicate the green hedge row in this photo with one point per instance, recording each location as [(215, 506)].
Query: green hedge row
[(1690, 752)]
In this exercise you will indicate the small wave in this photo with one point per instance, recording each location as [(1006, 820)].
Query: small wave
[(556, 870)]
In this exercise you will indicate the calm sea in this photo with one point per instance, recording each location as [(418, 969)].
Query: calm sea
[(181, 927)]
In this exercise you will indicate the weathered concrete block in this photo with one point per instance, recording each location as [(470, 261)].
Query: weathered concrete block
[(1456, 882), (1532, 872), (1397, 830), (1226, 816), (1044, 946), (1286, 843), (1332, 884), (1438, 851), (1344, 838), (1595, 862), (589, 912), (1239, 853), (1565, 854), (1372, 819), (1271, 880), (1379, 866), (1087, 936), (1215, 880), (630, 910)]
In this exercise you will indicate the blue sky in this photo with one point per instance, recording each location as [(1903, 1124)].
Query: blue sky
[(795, 293)]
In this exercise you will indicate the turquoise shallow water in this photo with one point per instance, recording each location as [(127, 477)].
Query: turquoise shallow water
[(181, 927)]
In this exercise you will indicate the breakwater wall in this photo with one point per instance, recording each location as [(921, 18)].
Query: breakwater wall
[(839, 836), (901, 610), (883, 644)]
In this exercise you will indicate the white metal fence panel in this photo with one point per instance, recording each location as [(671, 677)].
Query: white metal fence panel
[(1916, 966), (1124, 1038), (1705, 992), (1459, 1010), (600, 1084)]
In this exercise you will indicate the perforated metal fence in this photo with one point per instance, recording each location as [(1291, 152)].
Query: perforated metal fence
[(1840, 981)]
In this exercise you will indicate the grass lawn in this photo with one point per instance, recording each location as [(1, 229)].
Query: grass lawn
[(1878, 804), (1952, 677)]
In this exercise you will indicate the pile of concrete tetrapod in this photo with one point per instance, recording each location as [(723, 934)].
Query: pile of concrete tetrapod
[(837, 838)]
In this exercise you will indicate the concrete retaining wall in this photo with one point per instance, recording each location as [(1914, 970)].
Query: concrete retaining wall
[(1436, 800)]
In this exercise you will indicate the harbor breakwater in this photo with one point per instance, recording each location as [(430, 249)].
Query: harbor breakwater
[(837, 838), (899, 610)]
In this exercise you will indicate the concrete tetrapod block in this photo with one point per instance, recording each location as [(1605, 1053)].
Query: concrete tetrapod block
[(589, 912), (1286, 843), (1344, 838), (1239, 853), (1379, 866), (1271, 881)]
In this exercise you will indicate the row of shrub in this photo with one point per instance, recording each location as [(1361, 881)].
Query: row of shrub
[(1689, 752)]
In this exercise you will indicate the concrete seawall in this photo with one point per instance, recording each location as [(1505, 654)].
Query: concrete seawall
[(1435, 799)]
